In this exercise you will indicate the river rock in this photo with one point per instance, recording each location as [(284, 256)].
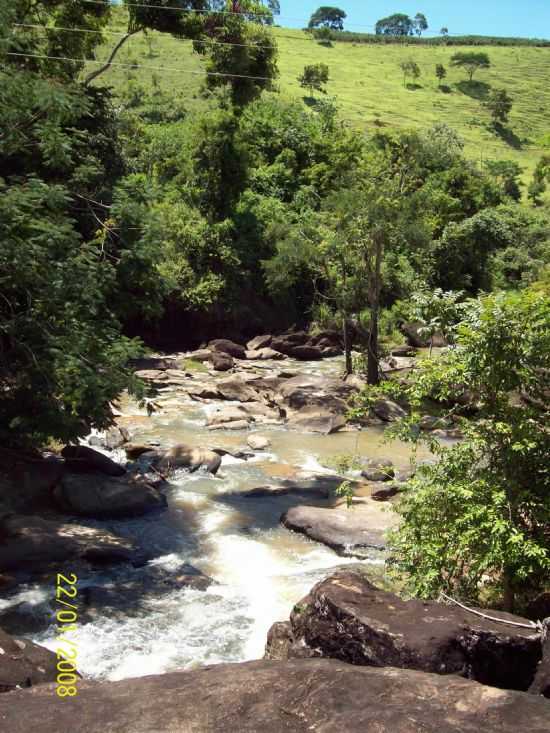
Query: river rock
[(26, 482), (539, 607), (158, 363), (258, 442), (388, 410), (264, 354), (346, 617), (222, 362), (347, 531), (225, 415), (113, 438), (259, 342), (412, 333), (378, 469), (541, 683), (184, 456), (81, 459), (104, 497), (311, 419), (387, 492), (236, 389), (321, 486), (32, 544), (228, 347), (24, 664), (321, 695), (405, 351)]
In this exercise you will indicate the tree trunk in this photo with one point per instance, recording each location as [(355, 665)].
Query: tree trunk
[(375, 286), (373, 371), (347, 345), (509, 595)]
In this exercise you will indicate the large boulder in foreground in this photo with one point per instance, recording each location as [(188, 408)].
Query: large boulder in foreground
[(23, 664), (318, 695), (82, 459), (31, 545), (348, 532), (345, 617), (103, 497)]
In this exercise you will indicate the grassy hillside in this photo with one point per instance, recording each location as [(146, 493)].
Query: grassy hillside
[(368, 85)]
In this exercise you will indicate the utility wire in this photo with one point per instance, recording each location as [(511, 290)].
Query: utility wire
[(244, 14)]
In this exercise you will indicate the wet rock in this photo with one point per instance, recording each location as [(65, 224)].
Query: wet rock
[(157, 363), (135, 450), (26, 618), (264, 354), (258, 442), (185, 456), (114, 438), (405, 350), (236, 389), (26, 484), (81, 459), (226, 415), (228, 347), (200, 355), (412, 333), (31, 545), (307, 353), (259, 342), (346, 617), (234, 425), (387, 493), (388, 410), (378, 469), (348, 532), (24, 664), (101, 497), (311, 419), (321, 486), (298, 695), (204, 392), (222, 362), (541, 683)]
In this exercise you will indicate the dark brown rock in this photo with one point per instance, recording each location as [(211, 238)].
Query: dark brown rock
[(237, 390), (103, 497), (185, 456), (222, 362), (23, 664), (278, 697), (388, 410), (346, 617), (228, 347), (386, 493), (311, 419), (32, 545), (81, 459)]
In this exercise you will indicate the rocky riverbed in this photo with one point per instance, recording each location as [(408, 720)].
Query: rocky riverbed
[(202, 519)]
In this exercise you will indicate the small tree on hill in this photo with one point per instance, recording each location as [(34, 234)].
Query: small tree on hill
[(499, 105), (420, 24), (444, 31), (314, 77), (328, 17), (440, 72), (411, 70), (471, 61), (541, 176)]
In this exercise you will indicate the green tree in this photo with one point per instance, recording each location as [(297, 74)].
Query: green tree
[(444, 31), (471, 61), (420, 24), (411, 70), (440, 72), (329, 17), (499, 105), (436, 311), (508, 175), (541, 175), (398, 24), (479, 519), (314, 77)]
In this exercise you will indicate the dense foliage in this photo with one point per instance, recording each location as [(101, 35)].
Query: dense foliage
[(477, 522)]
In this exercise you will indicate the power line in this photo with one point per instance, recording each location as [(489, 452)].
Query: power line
[(115, 33), (140, 66)]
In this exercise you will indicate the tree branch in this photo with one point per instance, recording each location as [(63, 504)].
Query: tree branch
[(111, 58)]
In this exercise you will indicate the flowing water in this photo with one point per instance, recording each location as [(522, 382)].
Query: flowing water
[(260, 569)]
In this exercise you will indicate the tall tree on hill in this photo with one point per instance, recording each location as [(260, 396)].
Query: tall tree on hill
[(471, 61), (329, 17), (440, 72), (499, 105), (541, 177), (420, 24), (398, 24), (314, 77), (411, 70)]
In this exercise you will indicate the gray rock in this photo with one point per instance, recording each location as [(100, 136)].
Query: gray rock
[(378, 469), (259, 342), (81, 459), (185, 456), (222, 362), (388, 410), (24, 664), (258, 442), (228, 347), (236, 389)]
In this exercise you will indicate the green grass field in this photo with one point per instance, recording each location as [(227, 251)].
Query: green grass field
[(368, 85)]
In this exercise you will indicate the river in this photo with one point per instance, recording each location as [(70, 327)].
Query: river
[(260, 568)]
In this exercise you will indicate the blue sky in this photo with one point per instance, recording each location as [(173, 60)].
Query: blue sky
[(529, 18)]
